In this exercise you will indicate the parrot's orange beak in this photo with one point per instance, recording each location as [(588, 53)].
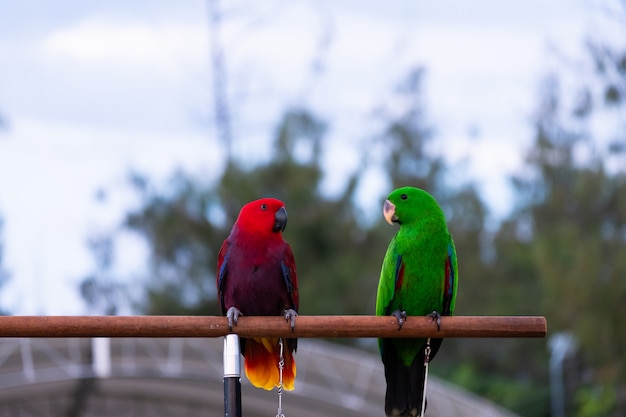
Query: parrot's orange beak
[(389, 211)]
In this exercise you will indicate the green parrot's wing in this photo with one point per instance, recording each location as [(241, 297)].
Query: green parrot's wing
[(391, 277)]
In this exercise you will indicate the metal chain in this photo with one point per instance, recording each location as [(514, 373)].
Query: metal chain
[(281, 365), (426, 360)]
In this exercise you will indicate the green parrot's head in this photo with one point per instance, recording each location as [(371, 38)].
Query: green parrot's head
[(408, 205)]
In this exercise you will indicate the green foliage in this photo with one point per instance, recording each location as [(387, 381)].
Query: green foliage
[(521, 395), (596, 401)]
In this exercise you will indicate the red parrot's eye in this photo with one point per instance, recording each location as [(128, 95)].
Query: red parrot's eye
[(263, 207)]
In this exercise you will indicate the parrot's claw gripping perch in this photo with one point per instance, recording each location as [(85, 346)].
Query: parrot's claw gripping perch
[(233, 316), (400, 316), (436, 316), (290, 316)]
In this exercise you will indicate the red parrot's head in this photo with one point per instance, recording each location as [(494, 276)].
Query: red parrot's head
[(265, 216)]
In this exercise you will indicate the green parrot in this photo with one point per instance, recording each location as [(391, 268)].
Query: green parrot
[(418, 278)]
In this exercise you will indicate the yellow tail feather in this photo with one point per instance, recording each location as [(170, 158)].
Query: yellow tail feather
[(261, 359)]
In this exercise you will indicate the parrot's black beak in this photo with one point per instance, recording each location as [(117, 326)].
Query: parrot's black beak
[(389, 211), (280, 220)]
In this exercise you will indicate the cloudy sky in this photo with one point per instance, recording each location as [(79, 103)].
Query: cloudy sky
[(90, 90)]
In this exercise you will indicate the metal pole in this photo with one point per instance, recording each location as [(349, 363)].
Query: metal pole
[(232, 376), (561, 345)]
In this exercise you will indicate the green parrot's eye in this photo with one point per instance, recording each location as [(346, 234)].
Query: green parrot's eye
[(404, 196), (263, 207)]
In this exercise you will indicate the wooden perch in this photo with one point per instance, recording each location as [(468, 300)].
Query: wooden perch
[(249, 326)]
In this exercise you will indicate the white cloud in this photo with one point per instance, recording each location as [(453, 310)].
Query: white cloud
[(50, 173), (115, 42)]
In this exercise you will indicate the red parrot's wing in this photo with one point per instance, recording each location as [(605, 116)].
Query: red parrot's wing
[(450, 282), (399, 274)]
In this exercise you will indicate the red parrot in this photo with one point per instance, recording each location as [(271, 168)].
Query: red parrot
[(256, 276)]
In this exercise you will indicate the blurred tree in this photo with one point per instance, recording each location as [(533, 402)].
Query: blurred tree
[(562, 252), (402, 145), (573, 199), (185, 225), (183, 239), (4, 274), (100, 290)]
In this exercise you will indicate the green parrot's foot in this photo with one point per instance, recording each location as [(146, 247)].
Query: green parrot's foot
[(400, 316), (233, 316), (290, 316), (436, 316)]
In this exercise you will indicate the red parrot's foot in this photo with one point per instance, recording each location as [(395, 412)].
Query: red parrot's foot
[(436, 316), (233, 316), (400, 316), (290, 316)]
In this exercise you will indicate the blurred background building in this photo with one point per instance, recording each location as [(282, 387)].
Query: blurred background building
[(183, 377)]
